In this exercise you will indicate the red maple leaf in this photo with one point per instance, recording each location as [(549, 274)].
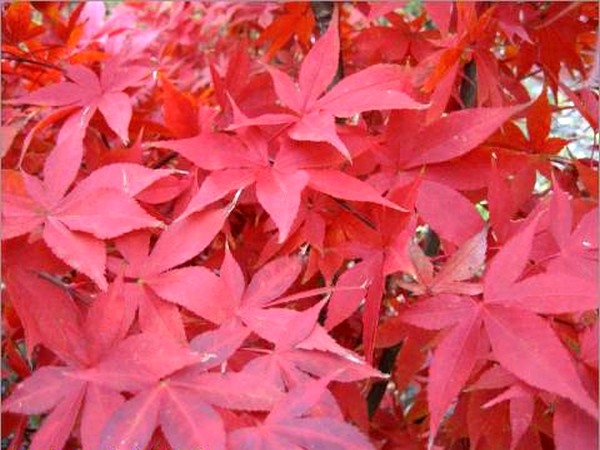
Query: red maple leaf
[(74, 224), (91, 93), (514, 330), (95, 344), (312, 115)]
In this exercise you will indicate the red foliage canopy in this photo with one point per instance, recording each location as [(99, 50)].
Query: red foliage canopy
[(225, 229)]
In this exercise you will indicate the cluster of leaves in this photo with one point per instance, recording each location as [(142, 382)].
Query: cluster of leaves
[(226, 229)]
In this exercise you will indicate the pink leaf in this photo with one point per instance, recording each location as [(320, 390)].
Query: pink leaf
[(510, 261), (63, 162), (19, 215), (280, 195), (466, 262), (149, 357), (452, 364), (116, 109), (39, 393), (100, 404), (131, 179), (573, 429), (132, 424), (216, 186), (432, 203), (184, 239), (318, 126), (272, 281), (551, 293), (57, 426), (195, 288), (107, 214), (82, 252), (340, 185), (438, 312), (379, 86), (320, 65), (526, 345), (458, 133), (188, 422)]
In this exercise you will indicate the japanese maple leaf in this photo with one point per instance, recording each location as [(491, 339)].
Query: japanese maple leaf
[(538, 139), (238, 163), (154, 273), (577, 246), (226, 298), (87, 91), (69, 390), (521, 398), (508, 314), (302, 347), (462, 265), (383, 251), (437, 146), (470, 41), (573, 428), (182, 403), (377, 87), (296, 19), (75, 224), (291, 424)]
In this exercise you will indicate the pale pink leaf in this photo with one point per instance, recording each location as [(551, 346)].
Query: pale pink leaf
[(19, 215), (561, 216), (233, 277), (521, 415), (132, 424), (343, 302), (466, 262), (210, 151), (216, 346), (318, 126), (286, 89), (196, 289), (59, 94), (234, 390), (323, 433), (157, 316), (188, 422), (85, 77), (149, 358), (116, 109)]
